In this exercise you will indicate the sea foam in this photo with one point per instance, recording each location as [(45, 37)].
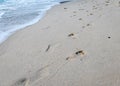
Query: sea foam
[(17, 14)]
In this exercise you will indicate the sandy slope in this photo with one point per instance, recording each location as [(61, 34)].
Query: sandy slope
[(75, 44)]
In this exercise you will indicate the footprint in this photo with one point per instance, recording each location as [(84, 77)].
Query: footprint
[(88, 25), (83, 26), (80, 53), (74, 36), (74, 15), (70, 35), (48, 47), (21, 82), (38, 75), (91, 13), (65, 8), (109, 37), (107, 1), (70, 58), (119, 3), (33, 79), (80, 19), (94, 7), (74, 12), (106, 4), (81, 9), (51, 47)]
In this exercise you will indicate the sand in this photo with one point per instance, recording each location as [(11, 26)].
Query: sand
[(75, 44)]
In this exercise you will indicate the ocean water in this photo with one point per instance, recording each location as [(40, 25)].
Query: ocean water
[(17, 14)]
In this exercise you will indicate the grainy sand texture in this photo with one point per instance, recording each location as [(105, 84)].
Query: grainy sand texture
[(75, 44)]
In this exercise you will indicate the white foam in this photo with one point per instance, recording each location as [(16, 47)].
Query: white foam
[(1, 14), (47, 6), (6, 34), (3, 36)]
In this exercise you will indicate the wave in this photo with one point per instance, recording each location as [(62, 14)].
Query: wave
[(1, 13), (17, 14)]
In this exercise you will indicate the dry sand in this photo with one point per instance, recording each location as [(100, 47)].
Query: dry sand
[(75, 44)]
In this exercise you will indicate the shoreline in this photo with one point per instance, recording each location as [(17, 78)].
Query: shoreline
[(8, 33), (29, 25), (74, 44)]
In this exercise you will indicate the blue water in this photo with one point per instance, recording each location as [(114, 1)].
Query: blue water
[(16, 14)]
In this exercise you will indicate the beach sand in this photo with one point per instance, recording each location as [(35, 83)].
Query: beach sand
[(75, 44)]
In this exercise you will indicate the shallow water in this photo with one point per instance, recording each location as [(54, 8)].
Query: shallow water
[(17, 14)]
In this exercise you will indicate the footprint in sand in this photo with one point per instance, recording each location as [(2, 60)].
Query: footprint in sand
[(81, 9), (91, 13), (51, 47), (94, 7), (74, 15), (107, 1), (87, 25), (74, 12), (80, 53), (109, 37), (83, 27), (39, 75), (80, 19), (73, 35), (33, 79), (65, 8), (21, 82), (119, 3), (48, 48)]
